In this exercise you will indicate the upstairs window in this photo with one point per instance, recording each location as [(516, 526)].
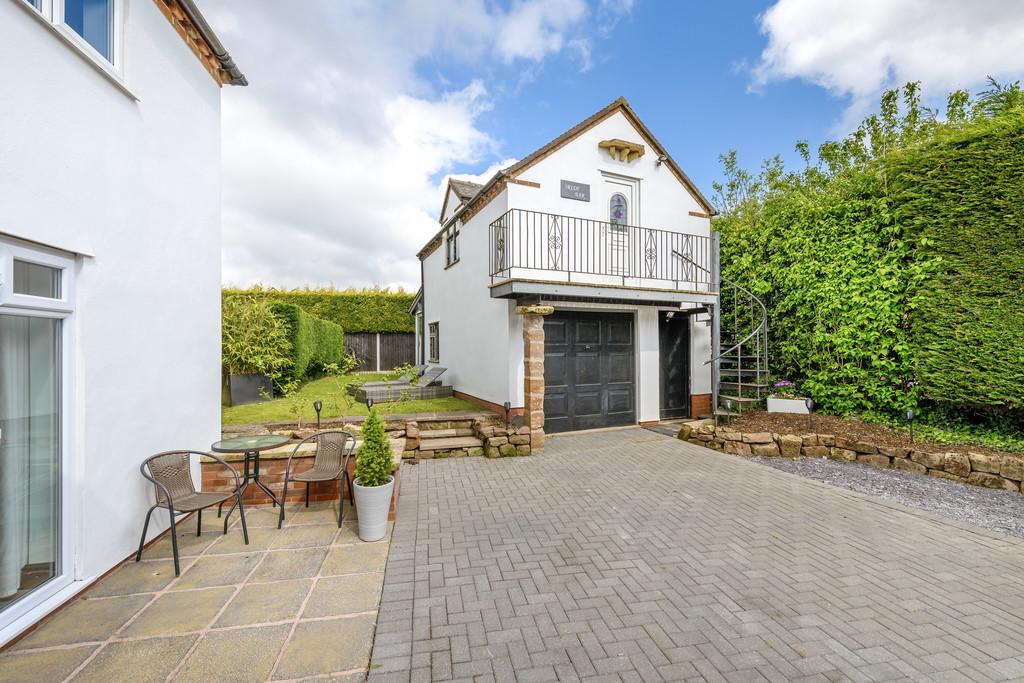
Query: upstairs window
[(91, 26), (93, 20), (451, 254), (435, 343)]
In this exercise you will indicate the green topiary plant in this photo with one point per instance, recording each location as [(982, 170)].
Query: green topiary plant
[(374, 459)]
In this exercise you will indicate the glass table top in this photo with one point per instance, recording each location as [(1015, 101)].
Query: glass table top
[(245, 444)]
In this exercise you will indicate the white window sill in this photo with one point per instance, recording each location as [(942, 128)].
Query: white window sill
[(78, 45)]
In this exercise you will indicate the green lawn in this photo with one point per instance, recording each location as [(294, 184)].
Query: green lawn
[(330, 390)]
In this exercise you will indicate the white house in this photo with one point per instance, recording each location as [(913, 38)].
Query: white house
[(109, 277), (602, 226)]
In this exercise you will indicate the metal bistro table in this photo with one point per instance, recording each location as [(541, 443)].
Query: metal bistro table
[(251, 447)]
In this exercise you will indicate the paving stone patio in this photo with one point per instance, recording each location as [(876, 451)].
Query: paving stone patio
[(293, 604), (627, 555)]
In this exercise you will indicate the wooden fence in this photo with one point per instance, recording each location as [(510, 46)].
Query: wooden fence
[(381, 352)]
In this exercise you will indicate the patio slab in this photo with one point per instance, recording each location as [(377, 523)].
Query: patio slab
[(237, 613), (630, 556)]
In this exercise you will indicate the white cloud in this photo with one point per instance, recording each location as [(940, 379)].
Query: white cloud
[(332, 154), (857, 49)]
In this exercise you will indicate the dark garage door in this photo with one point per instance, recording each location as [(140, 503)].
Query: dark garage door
[(589, 376)]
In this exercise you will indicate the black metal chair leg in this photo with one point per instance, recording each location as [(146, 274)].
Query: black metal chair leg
[(284, 497), (241, 514), (174, 543), (351, 491), (199, 523), (220, 507), (307, 494), (145, 528)]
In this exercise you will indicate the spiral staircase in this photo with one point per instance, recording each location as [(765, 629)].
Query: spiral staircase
[(740, 360)]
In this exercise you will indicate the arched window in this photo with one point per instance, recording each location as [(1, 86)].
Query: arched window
[(618, 210)]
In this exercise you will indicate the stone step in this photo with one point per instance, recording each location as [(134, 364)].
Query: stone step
[(449, 443), (444, 433)]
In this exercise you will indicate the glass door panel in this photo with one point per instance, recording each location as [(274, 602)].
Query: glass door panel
[(30, 454)]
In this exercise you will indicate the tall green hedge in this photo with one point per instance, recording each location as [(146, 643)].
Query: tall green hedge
[(892, 265), (356, 310), (314, 342), (962, 195)]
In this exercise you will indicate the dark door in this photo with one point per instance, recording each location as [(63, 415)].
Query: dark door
[(674, 345), (589, 375)]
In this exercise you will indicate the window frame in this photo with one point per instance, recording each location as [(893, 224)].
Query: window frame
[(451, 246), (49, 595), (434, 341), (51, 14), (9, 253)]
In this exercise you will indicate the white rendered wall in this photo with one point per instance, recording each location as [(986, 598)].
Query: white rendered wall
[(475, 340), (664, 204), (135, 184)]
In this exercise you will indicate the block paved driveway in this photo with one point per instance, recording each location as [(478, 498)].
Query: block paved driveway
[(628, 555)]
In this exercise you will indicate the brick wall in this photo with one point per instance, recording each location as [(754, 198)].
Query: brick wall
[(216, 478)]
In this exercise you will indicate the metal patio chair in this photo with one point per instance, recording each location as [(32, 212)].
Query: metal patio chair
[(169, 471), (330, 462)]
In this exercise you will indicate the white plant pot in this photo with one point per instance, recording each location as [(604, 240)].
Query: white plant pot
[(372, 506), (787, 405)]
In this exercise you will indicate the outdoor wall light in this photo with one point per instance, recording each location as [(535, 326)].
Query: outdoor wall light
[(661, 159), (810, 414), (507, 406), (318, 406), (910, 423)]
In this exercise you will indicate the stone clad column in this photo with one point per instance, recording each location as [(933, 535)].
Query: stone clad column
[(533, 371)]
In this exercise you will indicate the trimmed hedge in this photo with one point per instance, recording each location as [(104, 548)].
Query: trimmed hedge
[(892, 265), (314, 342), (963, 197), (366, 310)]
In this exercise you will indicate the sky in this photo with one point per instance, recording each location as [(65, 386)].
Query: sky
[(336, 155)]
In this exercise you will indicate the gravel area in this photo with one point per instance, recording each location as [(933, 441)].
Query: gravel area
[(1001, 511)]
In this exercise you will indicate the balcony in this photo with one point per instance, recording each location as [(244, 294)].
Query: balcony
[(553, 256)]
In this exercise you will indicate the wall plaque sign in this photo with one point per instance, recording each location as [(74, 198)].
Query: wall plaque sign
[(577, 191)]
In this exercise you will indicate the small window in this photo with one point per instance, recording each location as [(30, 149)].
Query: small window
[(35, 279), (452, 246), (435, 343), (618, 209), (94, 21)]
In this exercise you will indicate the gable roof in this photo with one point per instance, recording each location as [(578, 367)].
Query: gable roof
[(618, 105), (497, 182), (463, 189)]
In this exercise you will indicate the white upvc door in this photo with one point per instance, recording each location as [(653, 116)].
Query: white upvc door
[(622, 199), (37, 536)]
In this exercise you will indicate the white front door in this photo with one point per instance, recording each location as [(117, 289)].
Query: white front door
[(622, 196)]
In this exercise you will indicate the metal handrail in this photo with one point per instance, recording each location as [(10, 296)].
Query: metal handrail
[(539, 241), (762, 326)]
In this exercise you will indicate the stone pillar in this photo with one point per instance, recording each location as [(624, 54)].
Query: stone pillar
[(533, 371)]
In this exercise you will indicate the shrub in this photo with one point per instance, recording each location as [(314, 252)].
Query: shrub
[(374, 459), (891, 265), (356, 310), (315, 344), (253, 338)]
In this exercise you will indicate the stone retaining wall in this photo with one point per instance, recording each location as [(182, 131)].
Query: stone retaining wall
[(968, 467)]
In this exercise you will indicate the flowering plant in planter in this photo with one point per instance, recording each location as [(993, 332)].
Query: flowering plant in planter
[(785, 398), (785, 388)]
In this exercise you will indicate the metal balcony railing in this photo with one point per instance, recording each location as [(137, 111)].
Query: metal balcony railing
[(525, 244)]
